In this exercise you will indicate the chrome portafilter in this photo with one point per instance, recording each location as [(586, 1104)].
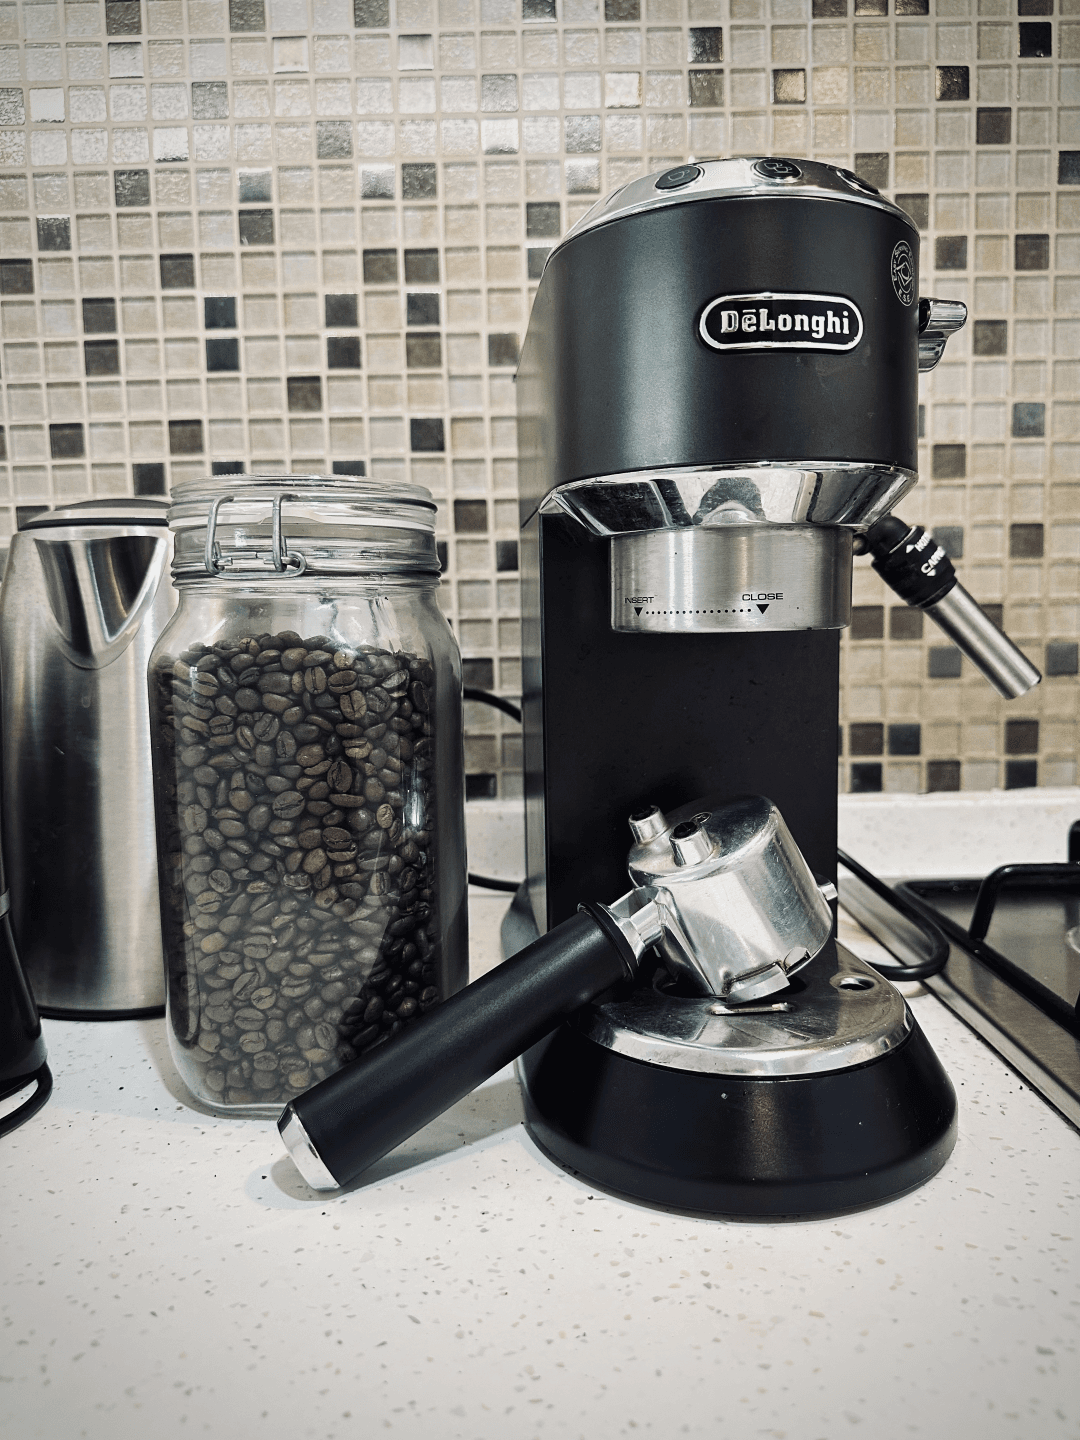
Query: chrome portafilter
[(723, 894)]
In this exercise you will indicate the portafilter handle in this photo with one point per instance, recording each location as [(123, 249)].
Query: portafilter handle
[(909, 560), (335, 1130)]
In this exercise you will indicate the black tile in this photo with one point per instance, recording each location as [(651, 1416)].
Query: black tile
[(254, 185), (16, 277), (951, 540), (1028, 419), (866, 738), (185, 437), (543, 218), (333, 139), (994, 613), (131, 188), (536, 259), (54, 232), (371, 14), (622, 10), (423, 351), (101, 357), (881, 7), (918, 207), (419, 182), (950, 252), (1021, 737), (247, 15), (1035, 7), (343, 352), (538, 10), (1025, 542), (990, 337), (481, 787), (226, 467), (789, 87), (66, 442), (951, 82), (1032, 252), (506, 555), (421, 267), (256, 227), (866, 778), (1069, 167), (909, 7), (503, 349), (148, 479), (304, 392), (219, 312), (349, 467), (380, 267), (442, 552), (840, 740), (873, 167), (123, 17), (944, 662), (478, 673), (25, 513), (341, 310), (705, 45), (99, 316), (867, 622), (705, 89), (422, 309), (949, 462), (905, 623), (470, 517), (942, 775), (427, 436), (222, 353), (905, 739), (1021, 774), (993, 126), (209, 100), (3, 443), (1062, 657), (830, 9), (1036, 41), (177, 272)]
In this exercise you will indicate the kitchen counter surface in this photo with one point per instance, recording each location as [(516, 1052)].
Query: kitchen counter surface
[(166, 1272)]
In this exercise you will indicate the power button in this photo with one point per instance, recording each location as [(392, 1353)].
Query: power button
[(676, 179), (777, 169)]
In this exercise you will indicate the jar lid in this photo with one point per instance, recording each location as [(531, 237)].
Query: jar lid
[(278, 525)]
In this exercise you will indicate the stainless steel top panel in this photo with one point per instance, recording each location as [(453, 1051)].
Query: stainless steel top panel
[(731, 180), (124, 510)]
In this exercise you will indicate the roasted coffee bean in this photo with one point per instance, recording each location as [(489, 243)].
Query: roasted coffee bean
[(286, 888)]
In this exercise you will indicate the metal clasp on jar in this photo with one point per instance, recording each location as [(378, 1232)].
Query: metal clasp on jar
[(282, 558)]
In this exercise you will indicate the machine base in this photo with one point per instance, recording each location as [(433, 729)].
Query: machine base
[(740, 1145)]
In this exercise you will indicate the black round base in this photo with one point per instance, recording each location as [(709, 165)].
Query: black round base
[(728, 1145), (42, 1080)]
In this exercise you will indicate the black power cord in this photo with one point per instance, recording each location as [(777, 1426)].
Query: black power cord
[(485, 697), (938, 945)]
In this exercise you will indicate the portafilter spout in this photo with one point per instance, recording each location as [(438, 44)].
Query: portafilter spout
[(724, 893)]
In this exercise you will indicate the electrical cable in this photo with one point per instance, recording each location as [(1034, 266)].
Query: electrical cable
[(939, 946)]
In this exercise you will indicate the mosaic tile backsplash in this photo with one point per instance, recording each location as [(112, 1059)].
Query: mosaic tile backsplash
[(273, 234)]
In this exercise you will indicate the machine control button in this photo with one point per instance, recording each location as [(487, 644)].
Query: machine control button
[(676, 179), (856, 181), (777, 169)]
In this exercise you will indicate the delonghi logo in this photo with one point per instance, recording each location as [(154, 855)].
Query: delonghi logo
[(775, 321), (902, 271)]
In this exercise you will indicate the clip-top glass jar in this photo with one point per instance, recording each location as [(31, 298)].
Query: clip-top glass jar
[(307, 744)]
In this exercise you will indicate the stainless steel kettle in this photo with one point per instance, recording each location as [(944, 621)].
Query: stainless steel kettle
[(85, 595)]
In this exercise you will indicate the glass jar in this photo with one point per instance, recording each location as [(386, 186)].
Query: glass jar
[(308, 769)]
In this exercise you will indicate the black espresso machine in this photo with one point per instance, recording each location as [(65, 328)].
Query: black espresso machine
[(717, 407)]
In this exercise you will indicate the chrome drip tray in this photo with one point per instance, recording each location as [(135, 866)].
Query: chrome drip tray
[(837, 1013)]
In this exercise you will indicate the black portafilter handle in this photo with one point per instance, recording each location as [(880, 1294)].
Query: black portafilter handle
[(910, 560), (338, 1128)]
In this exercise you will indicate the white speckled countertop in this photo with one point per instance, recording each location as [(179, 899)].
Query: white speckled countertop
[(167, 1273)]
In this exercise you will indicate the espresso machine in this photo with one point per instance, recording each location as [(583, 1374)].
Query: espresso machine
[(717, 408)]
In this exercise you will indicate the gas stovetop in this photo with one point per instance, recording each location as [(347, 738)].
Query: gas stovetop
[(1013, 972)]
